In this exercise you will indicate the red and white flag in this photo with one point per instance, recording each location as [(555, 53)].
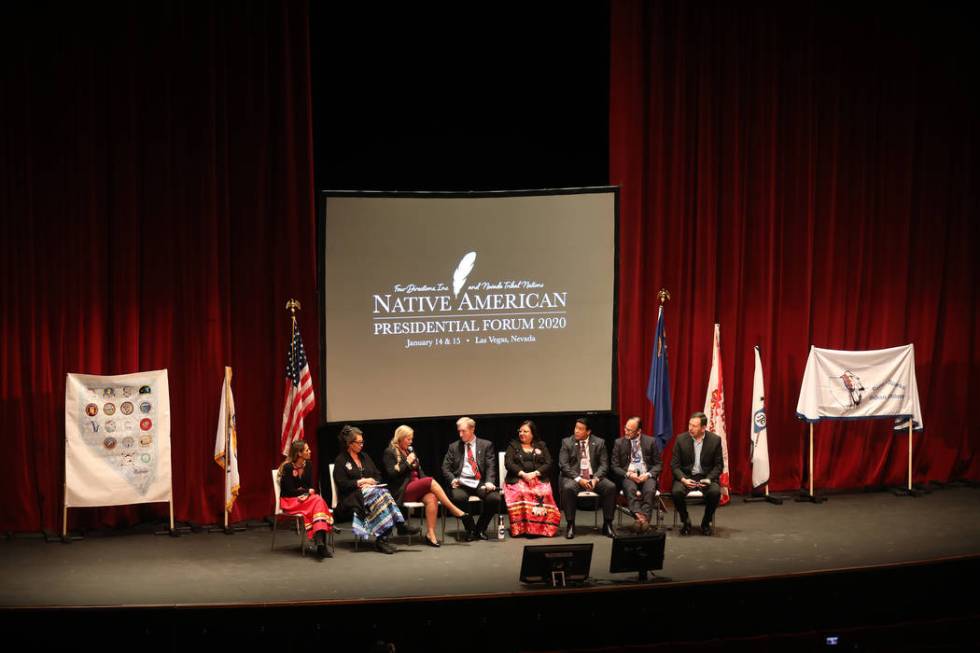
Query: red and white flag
[(714, 408), (299, 399)]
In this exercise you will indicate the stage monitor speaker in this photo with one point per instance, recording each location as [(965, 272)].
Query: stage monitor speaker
[(639, 553), (557, 564)]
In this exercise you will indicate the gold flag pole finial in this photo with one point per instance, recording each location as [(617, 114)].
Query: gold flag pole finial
[(664, 295), (292, 306)]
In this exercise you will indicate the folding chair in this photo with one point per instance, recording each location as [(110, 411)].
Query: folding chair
[(280, 516)]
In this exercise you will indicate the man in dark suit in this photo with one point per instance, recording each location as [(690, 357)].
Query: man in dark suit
[(697, 464), (584, 465), (636, 461), (470, 469)]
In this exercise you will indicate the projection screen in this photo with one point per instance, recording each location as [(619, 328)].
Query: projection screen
[(440, 304)]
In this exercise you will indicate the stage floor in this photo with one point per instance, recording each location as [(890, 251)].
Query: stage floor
[(752, 540)]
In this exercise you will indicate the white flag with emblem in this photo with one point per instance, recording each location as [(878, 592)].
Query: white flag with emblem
[(877, 383), (760, 440)]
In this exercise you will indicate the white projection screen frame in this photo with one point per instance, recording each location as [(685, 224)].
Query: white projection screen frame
[(443, 304)]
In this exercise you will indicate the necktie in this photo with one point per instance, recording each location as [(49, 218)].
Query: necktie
[(472, 461), (584, 460)]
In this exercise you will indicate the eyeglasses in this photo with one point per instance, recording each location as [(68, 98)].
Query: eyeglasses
[(358, 442)]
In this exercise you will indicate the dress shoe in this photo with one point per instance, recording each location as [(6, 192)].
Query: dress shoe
[(686, 528), (707, 530), (608, 530), (433, 543), (481, 535), (570, 533), (384, 546), (404, 529)]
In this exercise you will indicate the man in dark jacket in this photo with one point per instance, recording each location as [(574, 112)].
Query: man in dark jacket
[(697, 465)]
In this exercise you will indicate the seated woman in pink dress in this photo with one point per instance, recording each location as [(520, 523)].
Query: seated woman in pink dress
[(408, 482), (527, 485), (297, 496)]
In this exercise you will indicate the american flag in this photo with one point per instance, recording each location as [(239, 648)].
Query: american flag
[(299, 392)]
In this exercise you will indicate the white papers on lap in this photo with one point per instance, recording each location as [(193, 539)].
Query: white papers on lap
[(861, 385)]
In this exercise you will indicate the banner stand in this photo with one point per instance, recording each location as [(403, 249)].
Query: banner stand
[(173, 531), (910, 490), (804, 497)]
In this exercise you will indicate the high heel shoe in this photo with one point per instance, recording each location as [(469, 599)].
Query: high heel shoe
[(433, 543)]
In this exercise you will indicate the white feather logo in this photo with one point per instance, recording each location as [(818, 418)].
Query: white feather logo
[(462, 271)]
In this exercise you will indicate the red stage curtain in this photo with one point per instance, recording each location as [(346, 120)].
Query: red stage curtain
[(801, 173), (157, 202)]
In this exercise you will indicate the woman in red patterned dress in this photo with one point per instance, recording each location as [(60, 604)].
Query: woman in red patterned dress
[(297, 496)]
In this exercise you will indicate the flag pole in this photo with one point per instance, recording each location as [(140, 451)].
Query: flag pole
[(810, 497), (64, 518), (292, 306), (224, 499), (910, 455)]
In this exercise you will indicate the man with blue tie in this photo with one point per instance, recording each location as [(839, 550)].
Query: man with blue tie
[(636, 460), (697, 464), (584, 465)]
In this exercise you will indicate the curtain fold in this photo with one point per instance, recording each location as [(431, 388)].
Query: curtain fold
[(157, 200), (801, 174)]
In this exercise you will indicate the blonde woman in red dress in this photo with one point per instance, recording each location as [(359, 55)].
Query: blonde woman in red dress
[(408, 482)]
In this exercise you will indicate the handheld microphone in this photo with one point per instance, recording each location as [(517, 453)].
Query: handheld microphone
[(411, 449)]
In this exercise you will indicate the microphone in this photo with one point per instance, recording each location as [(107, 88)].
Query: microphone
[(411, 449)]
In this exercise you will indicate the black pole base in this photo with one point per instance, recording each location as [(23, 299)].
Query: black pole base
[(52, 536), (770, 498), (905, 492), (806, 497), (176, 531), (231, 529)]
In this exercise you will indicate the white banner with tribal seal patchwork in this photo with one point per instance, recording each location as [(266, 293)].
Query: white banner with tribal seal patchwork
[(117, 439)]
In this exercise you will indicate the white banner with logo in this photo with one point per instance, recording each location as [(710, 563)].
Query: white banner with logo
[(861, 385), (117, 439)]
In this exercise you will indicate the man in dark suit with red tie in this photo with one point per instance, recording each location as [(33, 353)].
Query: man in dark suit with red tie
[(584, 464), (470, 469), (697, 464)]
